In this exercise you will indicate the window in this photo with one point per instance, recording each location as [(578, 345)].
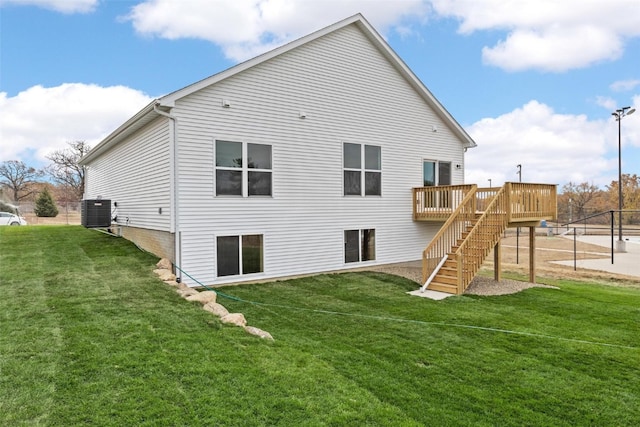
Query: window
[(240, 254), (359, 245), (243, 169), (362, 170), (436, 173)]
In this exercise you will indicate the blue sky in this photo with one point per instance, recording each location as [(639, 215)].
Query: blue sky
[(534, 82)]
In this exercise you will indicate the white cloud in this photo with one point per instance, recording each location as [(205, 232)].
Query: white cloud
[(548, 35), (557, 49), (551, 147), (607, 102), (624, 85), (39, 120), (63, 6), (245, 28)]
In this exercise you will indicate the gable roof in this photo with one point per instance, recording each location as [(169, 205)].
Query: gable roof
[(164, 103)]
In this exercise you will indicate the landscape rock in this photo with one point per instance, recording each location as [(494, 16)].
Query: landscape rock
[(164, 264), (217, 309), (258, 332), (184, 293), (165, 274), (235, 319), (203, 297), (172, 283)]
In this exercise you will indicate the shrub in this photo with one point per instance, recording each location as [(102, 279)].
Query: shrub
[(45, 206)]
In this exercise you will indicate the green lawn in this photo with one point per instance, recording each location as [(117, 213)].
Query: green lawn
[(89, 336)]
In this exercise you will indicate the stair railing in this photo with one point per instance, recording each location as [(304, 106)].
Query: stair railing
[(483, 237), (449, 234)]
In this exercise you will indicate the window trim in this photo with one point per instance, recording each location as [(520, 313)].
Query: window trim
[(437, 164), (239, 239), (361, 244), (244, 169), (362, 170)]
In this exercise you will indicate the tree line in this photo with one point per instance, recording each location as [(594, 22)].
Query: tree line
[(62, 180), (578, 201)]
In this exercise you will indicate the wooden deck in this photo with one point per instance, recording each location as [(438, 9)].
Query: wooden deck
[(474, 221)]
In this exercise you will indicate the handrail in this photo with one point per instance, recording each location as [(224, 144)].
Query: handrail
[(449, 234), (433, 273), (482, 238)]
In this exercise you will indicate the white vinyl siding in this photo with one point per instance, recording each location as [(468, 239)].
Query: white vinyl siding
[(136, 175), (349, 92)]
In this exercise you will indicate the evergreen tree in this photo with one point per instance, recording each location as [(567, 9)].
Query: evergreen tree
[(45, 206)]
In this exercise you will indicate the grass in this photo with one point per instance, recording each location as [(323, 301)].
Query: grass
[(90, 336)]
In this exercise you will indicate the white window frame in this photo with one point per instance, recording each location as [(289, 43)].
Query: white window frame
[(361, 234), (245, 169), (362, 170), (437, 170), (240, 258)]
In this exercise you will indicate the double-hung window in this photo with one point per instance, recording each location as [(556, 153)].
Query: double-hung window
[(359, 245), (362, 166), (243, 169), (239, 254)]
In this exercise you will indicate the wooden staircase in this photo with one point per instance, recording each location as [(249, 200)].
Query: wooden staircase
[(469, 253), (474, 221), (464, 241)]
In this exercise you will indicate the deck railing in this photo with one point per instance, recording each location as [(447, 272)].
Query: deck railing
[(438, 202), (531, 202), (526, 202), (450, 232)]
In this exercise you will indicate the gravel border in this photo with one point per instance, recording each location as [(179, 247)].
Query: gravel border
[(479, 285), (488, 286)]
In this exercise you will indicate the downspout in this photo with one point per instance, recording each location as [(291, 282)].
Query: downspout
[(173, 187)]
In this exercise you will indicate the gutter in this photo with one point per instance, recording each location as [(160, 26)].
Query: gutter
[(173, 185)]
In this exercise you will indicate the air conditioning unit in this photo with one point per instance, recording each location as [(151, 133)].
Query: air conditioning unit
[(96, 213)]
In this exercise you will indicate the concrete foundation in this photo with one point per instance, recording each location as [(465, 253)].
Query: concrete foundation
[(159, 243)]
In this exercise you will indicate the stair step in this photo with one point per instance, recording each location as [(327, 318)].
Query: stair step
[(442, 287), (446, 280)]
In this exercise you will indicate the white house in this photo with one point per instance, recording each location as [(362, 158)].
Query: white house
[(298, 161)]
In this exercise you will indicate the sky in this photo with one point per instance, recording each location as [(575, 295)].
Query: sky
[(534, 82)]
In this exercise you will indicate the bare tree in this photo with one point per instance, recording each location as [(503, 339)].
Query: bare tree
[(65, 169), (19, 178)]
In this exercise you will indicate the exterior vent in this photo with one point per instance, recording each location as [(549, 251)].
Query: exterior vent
[(96, 213)]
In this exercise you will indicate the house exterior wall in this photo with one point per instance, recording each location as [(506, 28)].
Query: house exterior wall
[(135, 175), (350, 93)]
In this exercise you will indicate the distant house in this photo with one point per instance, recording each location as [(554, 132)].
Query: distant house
[(298, 161)]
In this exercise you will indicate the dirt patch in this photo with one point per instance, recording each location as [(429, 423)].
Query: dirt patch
[(557, 248)]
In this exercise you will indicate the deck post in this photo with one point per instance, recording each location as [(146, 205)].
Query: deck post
[(497, 262), (532, 254)]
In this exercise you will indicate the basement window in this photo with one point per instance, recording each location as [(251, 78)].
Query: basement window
[(359, 245), (238, 255)]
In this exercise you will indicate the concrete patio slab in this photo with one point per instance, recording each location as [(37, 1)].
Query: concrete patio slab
[(434, 295)]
